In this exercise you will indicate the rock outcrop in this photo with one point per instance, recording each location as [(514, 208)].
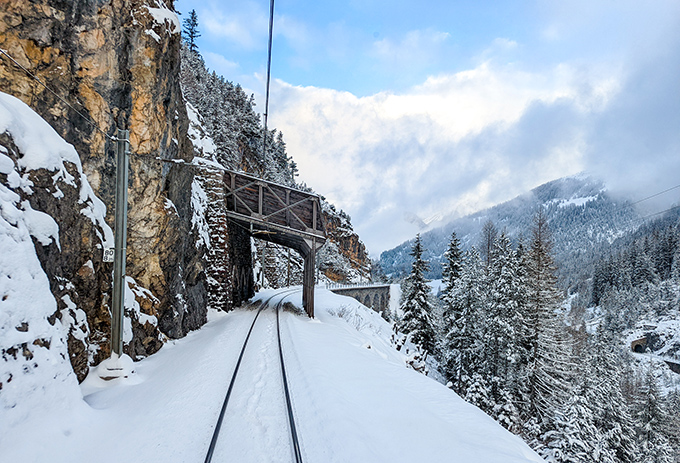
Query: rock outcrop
[(116, 63), (343, 258)]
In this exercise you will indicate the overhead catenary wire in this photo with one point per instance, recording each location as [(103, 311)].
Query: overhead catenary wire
[(657, 194), (59, 97), (643, 218)]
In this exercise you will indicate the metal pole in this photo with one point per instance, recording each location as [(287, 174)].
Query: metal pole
[(269, 73), (118, 302)]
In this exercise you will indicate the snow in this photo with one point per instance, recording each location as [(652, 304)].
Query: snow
[(199, 206), (36, 378), (151, 33), (198, 135), (165, 17), (436, 286), (43, 148), (40, 225), (354, 399), (133, 309), (573, 201)]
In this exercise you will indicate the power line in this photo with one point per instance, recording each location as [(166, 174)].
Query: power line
[(656, 194), (33, 76), (659, 213)]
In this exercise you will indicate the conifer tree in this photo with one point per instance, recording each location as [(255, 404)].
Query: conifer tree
[(191, 31), (489, 234), (548, 366), (463, 342), (611, 414), (574, 438), (653, 423), (416, 321), (453, 264), (501, 322), (675, 266)]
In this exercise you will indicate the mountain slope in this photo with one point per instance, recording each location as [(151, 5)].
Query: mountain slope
[(581, 215)]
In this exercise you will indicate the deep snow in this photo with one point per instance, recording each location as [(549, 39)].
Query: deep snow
[(354, 399)]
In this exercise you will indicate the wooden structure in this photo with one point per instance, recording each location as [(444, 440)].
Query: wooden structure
[(281, 215)]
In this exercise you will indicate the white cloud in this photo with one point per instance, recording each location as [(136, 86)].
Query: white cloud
[(414, 49), (219, 63), (244, 25), (451, 145)]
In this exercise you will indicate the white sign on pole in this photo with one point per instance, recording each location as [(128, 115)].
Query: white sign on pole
[(108, 254)]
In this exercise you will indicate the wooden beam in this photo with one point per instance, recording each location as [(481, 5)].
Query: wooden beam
[(308, 283), (287, 208), (314, 216)]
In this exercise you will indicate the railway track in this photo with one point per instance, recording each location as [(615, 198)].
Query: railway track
[(294, 441)]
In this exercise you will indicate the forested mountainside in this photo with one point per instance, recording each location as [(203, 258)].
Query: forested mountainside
[(580, 212), (87, 69), (635, 287), (589, 377)]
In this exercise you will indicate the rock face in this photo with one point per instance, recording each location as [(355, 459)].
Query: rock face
[(343, 258), (45, 200), (116, 63)]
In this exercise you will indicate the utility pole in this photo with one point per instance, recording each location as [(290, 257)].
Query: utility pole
[(269, 74), (118, 302)]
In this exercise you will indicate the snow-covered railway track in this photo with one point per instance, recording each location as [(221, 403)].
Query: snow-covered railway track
[(265, 387)]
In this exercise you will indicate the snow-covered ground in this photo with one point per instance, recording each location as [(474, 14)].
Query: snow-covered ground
[(354, 399)]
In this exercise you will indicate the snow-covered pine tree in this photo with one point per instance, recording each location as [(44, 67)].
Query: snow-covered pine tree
[(672, 406), (452, 265), (191, 32), (675, 266), (462, 344), (489, 234), (604, 397), (416, 307), (503, 315), (574, 437), (548, 365), (653, 423), (478, 392), (451, 269)]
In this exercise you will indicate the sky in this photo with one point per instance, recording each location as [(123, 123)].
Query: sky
[(407, 115)]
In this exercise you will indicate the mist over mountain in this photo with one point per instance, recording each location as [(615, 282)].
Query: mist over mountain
[(582, 216)]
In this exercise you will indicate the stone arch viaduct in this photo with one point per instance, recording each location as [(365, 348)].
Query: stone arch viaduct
[(377, 297)]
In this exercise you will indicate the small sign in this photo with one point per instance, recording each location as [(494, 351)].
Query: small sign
[(108, 254)]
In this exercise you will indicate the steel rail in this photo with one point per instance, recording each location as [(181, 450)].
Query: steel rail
[(216, 432), (286, 390)]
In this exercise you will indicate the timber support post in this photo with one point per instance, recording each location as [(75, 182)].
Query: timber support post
[(308, 281)]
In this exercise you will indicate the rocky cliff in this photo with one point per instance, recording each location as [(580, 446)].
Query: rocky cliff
[(113, 64), (343, 258)]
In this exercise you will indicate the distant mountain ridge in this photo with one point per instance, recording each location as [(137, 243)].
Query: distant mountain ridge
[(581, 214)]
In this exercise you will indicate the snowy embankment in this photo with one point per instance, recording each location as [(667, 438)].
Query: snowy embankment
[(36, 377), (355, 400)]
